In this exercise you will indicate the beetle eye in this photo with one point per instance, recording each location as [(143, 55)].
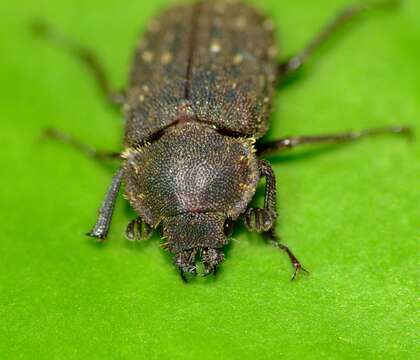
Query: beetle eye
[(228, 227)]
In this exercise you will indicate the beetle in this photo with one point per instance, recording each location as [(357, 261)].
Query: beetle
[(196, 106)]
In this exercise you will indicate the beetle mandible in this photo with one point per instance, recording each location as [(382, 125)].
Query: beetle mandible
[(197, 103)]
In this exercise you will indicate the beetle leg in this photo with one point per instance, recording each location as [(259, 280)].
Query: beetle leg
[(262, 220), (84, 55), (138, 230), (344, 137), (274, 240), (101, 227), (83, 148), (294, 63)]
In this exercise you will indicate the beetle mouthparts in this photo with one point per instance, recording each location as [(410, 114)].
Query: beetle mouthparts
[(186, 261), (211, 259)]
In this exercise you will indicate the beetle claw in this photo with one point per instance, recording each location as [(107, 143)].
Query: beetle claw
[(298, 269)]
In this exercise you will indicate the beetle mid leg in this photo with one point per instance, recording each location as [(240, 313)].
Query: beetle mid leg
[(262, 220), (84, 55), (295, 62), (274, 240), (344, 137), (80, 146)]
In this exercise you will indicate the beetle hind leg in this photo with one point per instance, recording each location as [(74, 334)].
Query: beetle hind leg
[(83, 54), (294, 63)]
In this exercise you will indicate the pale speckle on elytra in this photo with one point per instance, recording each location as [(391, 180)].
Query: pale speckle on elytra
[(240, 22), (268, 25), (147, 56), (166, 58), (215, 47), (238, 58)]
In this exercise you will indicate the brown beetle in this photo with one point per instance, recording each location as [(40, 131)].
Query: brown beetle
[(198, 98)]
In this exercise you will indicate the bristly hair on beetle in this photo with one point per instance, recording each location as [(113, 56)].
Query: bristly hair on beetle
[(196, 106)]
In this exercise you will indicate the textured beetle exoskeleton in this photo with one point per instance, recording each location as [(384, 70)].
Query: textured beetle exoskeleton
[(199, 95)]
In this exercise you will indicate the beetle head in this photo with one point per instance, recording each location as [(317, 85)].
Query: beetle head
[(196, 234)]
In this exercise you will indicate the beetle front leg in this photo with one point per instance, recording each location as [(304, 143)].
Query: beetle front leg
[(344, 137), (262, 220), (101, 227), (137, 229), (294, 63), (274, 240)]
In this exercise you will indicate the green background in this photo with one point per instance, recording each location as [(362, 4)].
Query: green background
[(350, 214)]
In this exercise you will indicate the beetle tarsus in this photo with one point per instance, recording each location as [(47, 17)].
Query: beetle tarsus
[(275, 241), (137, 229), (259, 220)]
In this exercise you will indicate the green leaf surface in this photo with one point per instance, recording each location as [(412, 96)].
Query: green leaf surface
[(351, 214)]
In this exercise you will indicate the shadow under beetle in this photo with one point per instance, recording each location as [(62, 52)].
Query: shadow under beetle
[(198, 99)]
